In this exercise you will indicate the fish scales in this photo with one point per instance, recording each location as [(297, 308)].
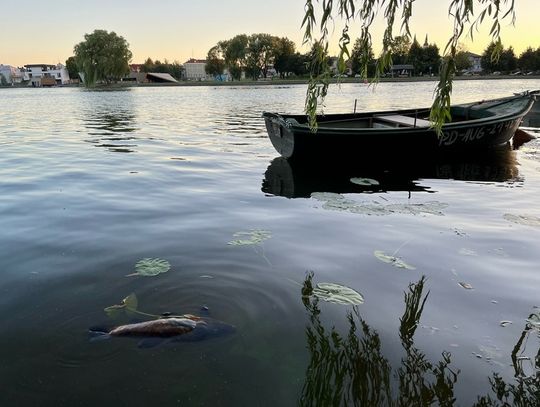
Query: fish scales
[(165, 327)]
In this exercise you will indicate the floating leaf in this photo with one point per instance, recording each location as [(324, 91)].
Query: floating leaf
[(150, 267), (466, 286), (337, 202), (393, 260), (337, 294), (129, 303), (365, 182), (505, 323), (522, 219), (115, 311), (251, 237)]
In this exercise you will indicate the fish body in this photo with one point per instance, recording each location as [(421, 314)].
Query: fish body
[(186, 328), (163, 327)]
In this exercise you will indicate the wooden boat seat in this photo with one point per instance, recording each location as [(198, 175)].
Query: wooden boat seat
[(405, 121)]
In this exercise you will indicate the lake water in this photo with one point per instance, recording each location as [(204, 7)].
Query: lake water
[(94, 181)]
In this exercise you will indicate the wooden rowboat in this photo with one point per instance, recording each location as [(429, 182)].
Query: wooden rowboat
[(477, 125)]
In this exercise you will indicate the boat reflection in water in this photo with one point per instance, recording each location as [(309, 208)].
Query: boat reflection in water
[(301, 178), (351, 369)]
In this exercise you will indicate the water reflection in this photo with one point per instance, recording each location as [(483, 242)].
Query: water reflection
[(525, 391), (112, 127), (299, 179), (351, 369)]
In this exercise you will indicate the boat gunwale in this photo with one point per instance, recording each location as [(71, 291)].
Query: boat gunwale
[(300, 128)]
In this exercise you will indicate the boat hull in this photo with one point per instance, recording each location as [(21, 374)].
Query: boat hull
[(292, 138), (532, 119)]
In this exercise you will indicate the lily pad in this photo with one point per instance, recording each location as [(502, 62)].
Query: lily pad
[(365, 182), (337, 294), (393, 260), (251, 237), (150, 267), (527, 220), (130, 303)]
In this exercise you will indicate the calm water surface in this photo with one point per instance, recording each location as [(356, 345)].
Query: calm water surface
[(93, 182)]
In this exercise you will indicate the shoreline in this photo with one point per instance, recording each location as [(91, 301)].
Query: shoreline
[(276, 82)]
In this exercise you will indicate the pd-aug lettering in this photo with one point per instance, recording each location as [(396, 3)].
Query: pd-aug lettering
[(450, 137)]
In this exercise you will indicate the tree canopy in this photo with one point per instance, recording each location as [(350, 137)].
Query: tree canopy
[(254, 54), (506, 62), (467, 16), (215, 65), (71, 66), (102, 56), (362, 60), (529, 60)]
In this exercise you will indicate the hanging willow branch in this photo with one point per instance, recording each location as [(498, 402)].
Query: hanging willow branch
[(364, 13)]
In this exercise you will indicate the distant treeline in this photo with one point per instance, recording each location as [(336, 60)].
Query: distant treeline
[(105, 56), (255, 54), (528, 61)]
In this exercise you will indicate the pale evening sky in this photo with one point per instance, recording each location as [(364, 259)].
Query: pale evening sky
[(179, 30)]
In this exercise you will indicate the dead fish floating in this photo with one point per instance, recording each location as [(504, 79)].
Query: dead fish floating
[(185, 328)]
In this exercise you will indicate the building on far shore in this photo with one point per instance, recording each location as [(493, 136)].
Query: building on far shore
[(11, 74), (137, 75), (195, 70), (402, 70), (46, 75), (476, 62)]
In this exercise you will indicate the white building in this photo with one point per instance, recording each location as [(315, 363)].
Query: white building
[(476, 62), (195, 70), (43, 75), (11, 74)]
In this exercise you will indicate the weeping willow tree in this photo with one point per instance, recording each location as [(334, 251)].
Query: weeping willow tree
[(467, 17), (102, 56)]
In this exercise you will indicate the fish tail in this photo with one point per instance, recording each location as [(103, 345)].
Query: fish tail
[(96, 336)]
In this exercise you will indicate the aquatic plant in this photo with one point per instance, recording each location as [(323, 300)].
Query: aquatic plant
[(128, 304), (150, 267), (393, 260), (337, 294), (350, 368), (337, 202), (527, 220), (252, 237), (128, 307)]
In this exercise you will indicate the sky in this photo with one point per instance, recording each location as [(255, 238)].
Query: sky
[(181, 29)]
